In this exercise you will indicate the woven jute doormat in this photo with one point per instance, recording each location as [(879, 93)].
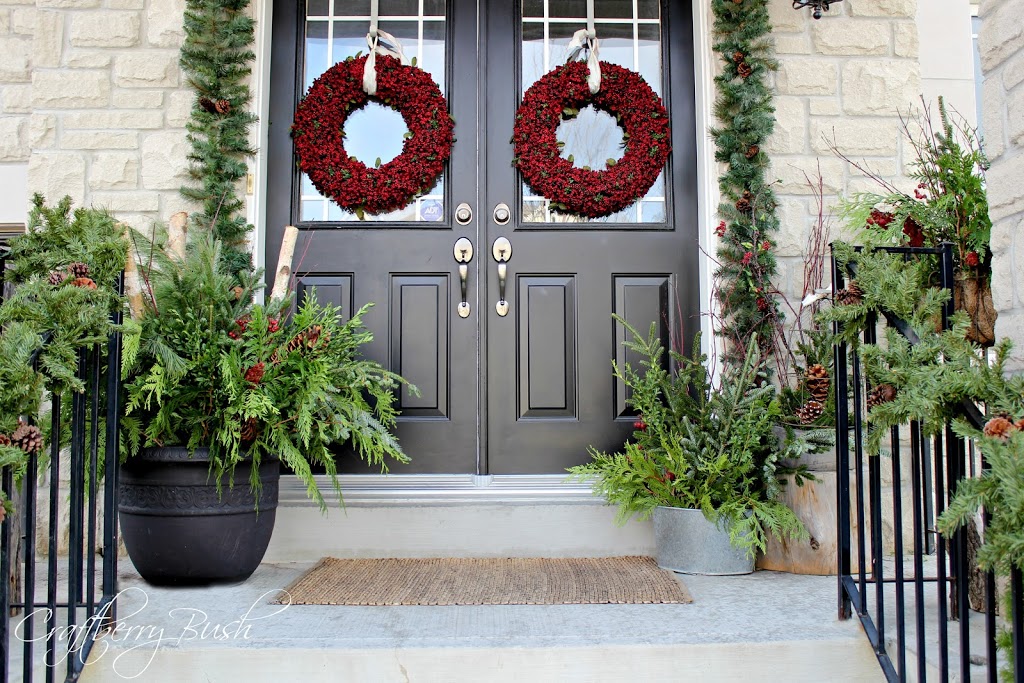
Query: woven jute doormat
[(504, 581)]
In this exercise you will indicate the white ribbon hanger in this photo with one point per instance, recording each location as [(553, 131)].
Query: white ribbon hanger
[(587, 38), (379, 42)]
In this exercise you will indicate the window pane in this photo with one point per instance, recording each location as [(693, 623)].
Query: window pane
[(632, 41), (375, 131)]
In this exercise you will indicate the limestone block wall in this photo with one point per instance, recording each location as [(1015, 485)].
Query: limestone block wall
[(845, 77), (1001, 43), (92, 100)]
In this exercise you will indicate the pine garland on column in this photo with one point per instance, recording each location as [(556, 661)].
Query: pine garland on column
[(746, 115), (217, 56)]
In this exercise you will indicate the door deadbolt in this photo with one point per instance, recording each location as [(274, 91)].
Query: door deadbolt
[(463, 214), (502, 214)]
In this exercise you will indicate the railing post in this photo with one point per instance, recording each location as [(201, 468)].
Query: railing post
[(5, 580), (1017, 595), (112, 467), (842, 457)]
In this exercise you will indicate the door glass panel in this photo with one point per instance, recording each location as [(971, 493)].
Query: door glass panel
[(336, 31), (630, 35)]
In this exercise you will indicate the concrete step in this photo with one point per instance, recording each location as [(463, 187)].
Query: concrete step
[(765, 627)]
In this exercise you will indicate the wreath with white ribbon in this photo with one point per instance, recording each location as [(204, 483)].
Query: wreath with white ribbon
[(382, 76), (561, 93)]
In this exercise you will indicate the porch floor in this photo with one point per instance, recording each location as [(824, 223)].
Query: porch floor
[(767, 626)]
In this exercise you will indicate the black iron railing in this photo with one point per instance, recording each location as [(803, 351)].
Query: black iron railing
[(52, 619), (930, 634)]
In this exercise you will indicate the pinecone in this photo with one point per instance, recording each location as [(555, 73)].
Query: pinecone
[(5, 440), (998, 427), (255, 374), (57, 277), (743, 204), (738, 56), (752, 151), (810, 411), (851, 295), (79, 269), (1019, 424), (307, 338), (208, 104), (883, 393), (250, 430), (744, 70), (222, 107), (817, 381), (28, 438), (83, 282)]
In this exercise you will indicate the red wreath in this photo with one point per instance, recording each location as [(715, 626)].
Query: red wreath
[(318, 132), (625, 95)]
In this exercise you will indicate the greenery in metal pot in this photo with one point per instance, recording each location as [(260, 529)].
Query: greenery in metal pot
[(698, 445)]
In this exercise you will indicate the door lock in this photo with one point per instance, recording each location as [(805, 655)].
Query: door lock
[(463, 255), (501, 250), (502, 214), (463, 214)]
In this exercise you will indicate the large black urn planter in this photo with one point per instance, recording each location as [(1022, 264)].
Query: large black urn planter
[(179, 530)]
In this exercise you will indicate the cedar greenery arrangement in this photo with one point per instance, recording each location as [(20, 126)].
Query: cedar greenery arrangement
[(207, 368), (934, 377), (700, 446), (746, 114), (949, 204), (64, 270), (217, 58)]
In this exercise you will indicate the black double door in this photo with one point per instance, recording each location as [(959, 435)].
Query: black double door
[(524, 389)]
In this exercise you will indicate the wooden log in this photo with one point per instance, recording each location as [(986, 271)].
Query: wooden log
[(132, 279), (177, 234), (283, 275)]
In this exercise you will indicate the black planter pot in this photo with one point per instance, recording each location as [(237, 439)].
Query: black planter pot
[(179, 531)]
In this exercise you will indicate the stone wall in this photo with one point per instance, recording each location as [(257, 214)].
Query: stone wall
[(91, 98), (845, 78), (1001, 43)]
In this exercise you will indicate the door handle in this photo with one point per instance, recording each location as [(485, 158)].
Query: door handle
[(502, 252), (463, 255)]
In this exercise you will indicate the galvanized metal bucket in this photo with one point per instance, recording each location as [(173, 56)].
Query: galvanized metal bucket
[(686, 542)]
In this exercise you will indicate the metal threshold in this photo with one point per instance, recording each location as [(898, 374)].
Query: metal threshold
[(443, 489)]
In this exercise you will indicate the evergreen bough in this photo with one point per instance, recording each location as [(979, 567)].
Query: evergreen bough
[(217, 58), (47, 314), (698, 446), (746, 114)]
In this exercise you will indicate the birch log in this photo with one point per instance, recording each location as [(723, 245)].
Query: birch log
[(177, 234), (283, 276), (132, 281)]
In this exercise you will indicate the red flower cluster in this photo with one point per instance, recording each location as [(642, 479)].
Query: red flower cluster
[(255, 373), (972, 259), (318, 132), (915, 234), (880, 219), (762, 303), (748, 257), (625, 95), (720, 230)]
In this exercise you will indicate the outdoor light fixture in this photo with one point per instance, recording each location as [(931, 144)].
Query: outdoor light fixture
[(818, 5)]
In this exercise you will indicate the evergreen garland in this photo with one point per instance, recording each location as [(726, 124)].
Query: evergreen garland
[(217, 57), (65, 270), (746, 115)]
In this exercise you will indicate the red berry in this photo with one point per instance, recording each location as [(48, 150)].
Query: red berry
[(640, 424), (272, 325), (748, 257), (972, 259)]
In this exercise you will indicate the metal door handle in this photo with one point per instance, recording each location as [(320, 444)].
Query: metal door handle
[(463, 255), (502, 252)]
